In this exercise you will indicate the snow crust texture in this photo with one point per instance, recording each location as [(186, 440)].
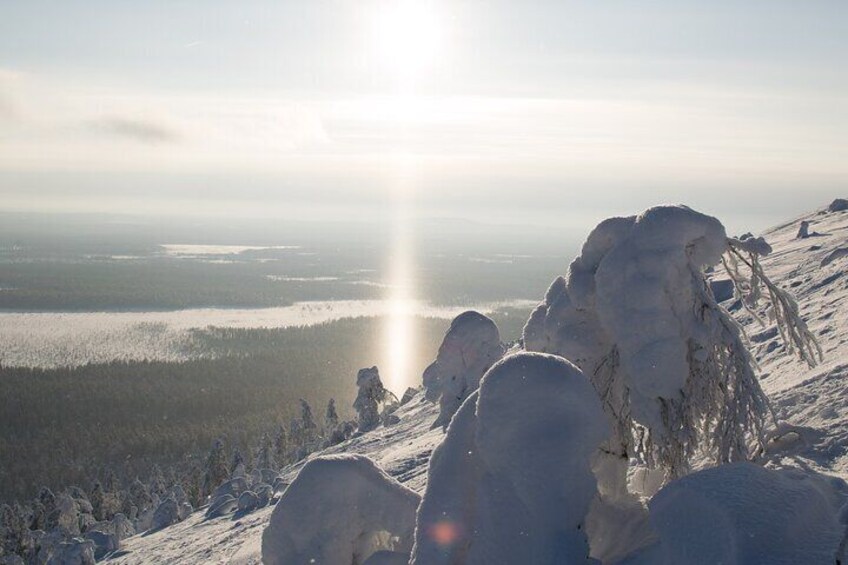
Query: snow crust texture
[(744, 514), (471, 345), (512, 482), (340, 509)]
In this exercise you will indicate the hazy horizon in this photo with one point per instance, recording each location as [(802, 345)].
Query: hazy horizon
[(543, 113)]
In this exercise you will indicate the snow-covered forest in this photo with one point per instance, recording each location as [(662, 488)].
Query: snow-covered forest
[(77, 425), (677, 397)]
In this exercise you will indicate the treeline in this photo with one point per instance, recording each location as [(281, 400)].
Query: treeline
[(159, 283)]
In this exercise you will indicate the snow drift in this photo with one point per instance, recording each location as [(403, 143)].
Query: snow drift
[(340, 509), (471, 345), (743, 514), (512, 482)]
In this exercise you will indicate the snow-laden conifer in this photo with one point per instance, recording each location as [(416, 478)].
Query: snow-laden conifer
[(672, 367)]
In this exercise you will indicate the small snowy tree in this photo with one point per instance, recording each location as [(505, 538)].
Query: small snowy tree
[(340, 510), (138, 496), (11, 530), (369, 399), (331, 418), (296, 436), (216, 468), (156, 482), (471, 345), (111, 483), (237, 465), (671, 366), (265, 454), (281, 446), (192, 481), (308, 427), (96, 497)]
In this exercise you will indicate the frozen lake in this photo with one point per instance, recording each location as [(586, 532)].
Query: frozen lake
[(57, 339)]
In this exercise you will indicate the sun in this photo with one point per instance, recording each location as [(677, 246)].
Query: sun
[(408, 37)]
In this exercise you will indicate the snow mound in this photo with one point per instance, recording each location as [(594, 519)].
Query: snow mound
[(233, 487), (515, 461), (222, 506), (838, 205), (744, 514), (76, 551), (471, 345), (340, 509), (166, 514), (838, 253), (248, 501)]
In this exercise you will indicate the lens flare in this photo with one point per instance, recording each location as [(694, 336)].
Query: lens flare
[(445, 533)]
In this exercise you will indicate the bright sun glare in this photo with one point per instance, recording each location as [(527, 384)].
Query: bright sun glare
[(408, 37)]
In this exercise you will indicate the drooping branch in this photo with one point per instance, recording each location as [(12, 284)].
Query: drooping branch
[(783, 307)]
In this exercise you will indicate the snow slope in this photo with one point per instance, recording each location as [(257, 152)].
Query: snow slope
[(811, 403), (815, 270), (402, 450)]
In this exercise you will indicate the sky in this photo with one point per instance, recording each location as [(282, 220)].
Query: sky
[(538, 112)]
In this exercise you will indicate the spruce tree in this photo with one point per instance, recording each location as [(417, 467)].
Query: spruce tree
[(331, 418), (216, 468)]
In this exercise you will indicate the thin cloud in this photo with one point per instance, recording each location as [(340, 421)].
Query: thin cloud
[(144, 131), (9, 84)]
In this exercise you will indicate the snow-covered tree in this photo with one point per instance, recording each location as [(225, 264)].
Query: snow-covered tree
[(12, 529), (342, 432), (138, 496), (308, 427), (237, 465), (512, 482), (281, 446), (671, 366), (192, 481), (331, 418), (48, 502), (370, 398), (296, 435), (111, 483), (216, 471), (471, 345), (265, 454), (39, 516), (340, 509), (156, 481), (96, 497)]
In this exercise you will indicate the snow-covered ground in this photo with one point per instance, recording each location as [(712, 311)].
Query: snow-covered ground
[(71, 339), (811, 398), (814, 401)]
